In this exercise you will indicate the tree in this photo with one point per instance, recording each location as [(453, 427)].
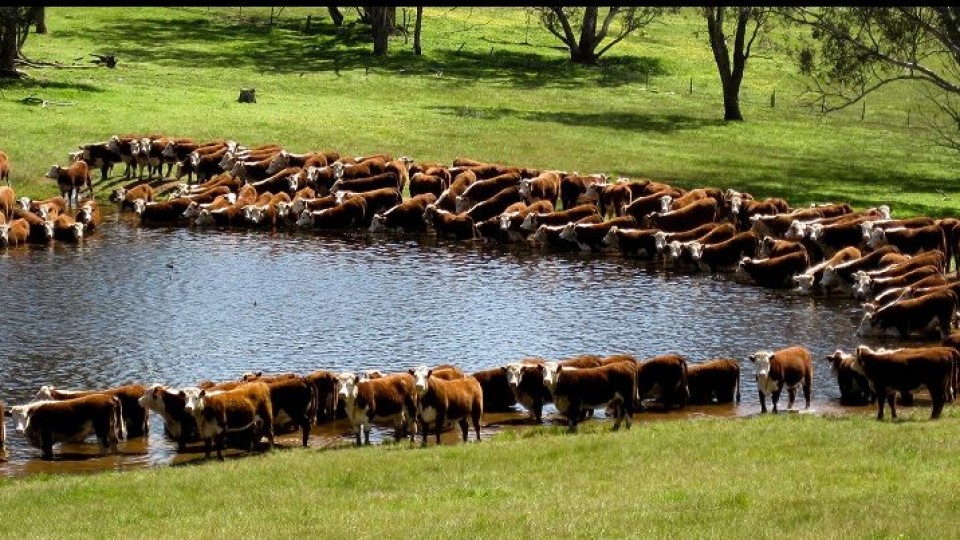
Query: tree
[(40, 20), (732, 68), (14, 26), (853, 52), (335, 15), (416, 32), (382, 20), (560, 21)]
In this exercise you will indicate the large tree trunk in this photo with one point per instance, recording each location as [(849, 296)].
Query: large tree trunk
[(416, 32), (731, 101), (380, 20), (730, 76), (8, 42), (335, 15), (40, 19)]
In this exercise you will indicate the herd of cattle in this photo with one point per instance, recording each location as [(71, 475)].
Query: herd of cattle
[(257, 406), (899, 267)]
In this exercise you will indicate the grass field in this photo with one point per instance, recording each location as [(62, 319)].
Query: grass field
[(491, 85), (762, 477)]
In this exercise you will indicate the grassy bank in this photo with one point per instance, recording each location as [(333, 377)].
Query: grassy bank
[(757, 477), (489, 86)]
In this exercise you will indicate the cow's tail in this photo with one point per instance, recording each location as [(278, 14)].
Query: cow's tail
[(736, 385), (314, 405), (118, 418), (684, 391)]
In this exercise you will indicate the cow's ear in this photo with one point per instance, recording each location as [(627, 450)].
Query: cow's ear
[(8, 413), (752, 358), (559, 369), (356, 379), (503, 369), (540, 368), (202, 393), (182, 394), (410, 371), (429, 373)]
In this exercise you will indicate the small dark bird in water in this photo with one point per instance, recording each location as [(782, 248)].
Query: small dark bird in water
[(169, 265)]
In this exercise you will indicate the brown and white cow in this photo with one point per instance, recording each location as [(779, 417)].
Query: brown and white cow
[(497, 395), (812, 276), (686, 218), (935, 310), (717, 379), (577, 389), (633, 242), (589, 236), (545, 187), (534, 220), (774, 272), (905, 370), (4, 167), (44, 423), (909, 240), (439, 400), (447, 224), (8, 201), (71, 180), (247, 408), (790, 367), (294, 401), (327, 386), (663, 378), (14, 233), (854, 386), (404, 217), (840, 277), (867, 286), (169, 403), (724, 255), (134, 414), (384, 399)]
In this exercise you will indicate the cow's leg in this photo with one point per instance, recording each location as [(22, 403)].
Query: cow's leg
[(537, 408), (268, 427), (807, 385), (366, 432), (46, 443), (423, 432), (305, 426), (893, 405), (441, 417), (221, 441), (763, 402), (775, 398), (206, 447), (792, 397), (938, 397), (906, 398), (356, 429), (618, 414), (476, 421), (464, 428)]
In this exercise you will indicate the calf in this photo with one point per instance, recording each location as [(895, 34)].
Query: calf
[(573, 390), (345, 215), (641, 207), (247, 408), (932, 310), (854, 387), (163, 211), (384, 399), (448, 199), (774, 272), (89, 215), (869, 286), (790, 367), (904, 370), (38, 227), (404, 217), (663, 378), (573, 186), (374, 201), (44, 423), (284, 159), (134, 414), (714, 380), (777, 225), (64, 228), (439, 400), (495, 205), (71, 180)]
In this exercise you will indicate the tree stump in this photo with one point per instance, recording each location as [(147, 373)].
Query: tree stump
[(248, 95)]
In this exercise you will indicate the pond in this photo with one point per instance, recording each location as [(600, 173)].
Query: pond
[(178, 305)]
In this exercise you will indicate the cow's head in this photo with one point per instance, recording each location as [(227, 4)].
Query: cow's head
[(461, 204), (342, 196), (54, 171), (696, 250), (506, 220), (114, 144), (204, 218), (194, 400), (594, 188), (293, 182), (884, 211), (863, 285), (118, 195), (283, 209), (139, 205), (761, 364), (193, 210), (550, 371), (45, 393), (835, 360), (337, 167), (612, 238), (878, 237), (73, 157), (5, 233), (347, 383), (279, 162), (514, 371), (735, 200), (48, 229), (766, 245), (24, 203), (798, 229), (305, 221), (85, 215), (526, 190), (665, 203), (251, 213), (530, 222), (867, 326), (804, 283), (569, 232), (660, 241), (421, 379), (675, 249), (77, 228), (21, 415), (741, 273), (169, 150), (377, 223), (815, 231), (153, 398)]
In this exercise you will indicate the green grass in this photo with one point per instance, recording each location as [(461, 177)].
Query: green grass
[(489, 86), (762, 477)]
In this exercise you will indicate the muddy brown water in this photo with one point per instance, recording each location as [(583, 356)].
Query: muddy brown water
[(178, 305)]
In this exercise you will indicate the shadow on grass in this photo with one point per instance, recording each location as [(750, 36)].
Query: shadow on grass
[(637, 122), (35, 84), (217, 42)]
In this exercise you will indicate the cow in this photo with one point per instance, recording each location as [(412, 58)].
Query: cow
[(774, 272), (854, 386), (374, 201), (773, 247), (933, 310), (534, 220), (497, 394), (4, 167), (247, 408), (867, 227), (163, 211), (813, 276), (777, 225), (196, 209), (640, 207), (611, 198), (14, 233), (664, 238), (367, 183), (71, 180), (686, 218), (527, 386), (64, 228), (384, 399), (284, 159), (750, 208), (89, 215), (789, 367), (664, 378), (326, 386), (294, 401), (935, 258), (8, 201), (576, 389), (589, 236), (125, 197), (447, 224), (833, 238), (633, 242), (421, 183), (44, 423), (439, 400), (134, 415), (37, 225), (868, 286), (494, 205), (345, 215), (448, 199), (717, 379), (905, 370), (169, 403), (724, 255), (909, 240), (573, 186), (481, 190), (917, 288), (545, 187)]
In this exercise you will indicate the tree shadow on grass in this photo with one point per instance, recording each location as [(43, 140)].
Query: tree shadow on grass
[(37, 84), (626, 121), (220, 43)]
